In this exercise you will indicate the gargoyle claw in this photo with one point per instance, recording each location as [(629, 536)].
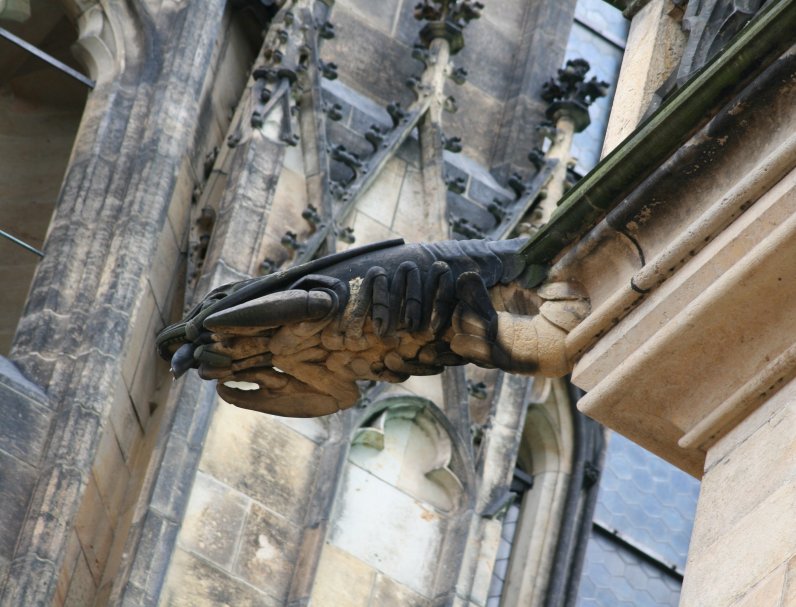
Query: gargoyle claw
[(295, 343), (256, 317)]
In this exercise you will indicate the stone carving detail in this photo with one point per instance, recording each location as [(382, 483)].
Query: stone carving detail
[(295, 343), (435, 463), (572, 94), (446, 19), (710, 25)]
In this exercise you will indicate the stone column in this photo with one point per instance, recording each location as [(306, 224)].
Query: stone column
[(99, 268)]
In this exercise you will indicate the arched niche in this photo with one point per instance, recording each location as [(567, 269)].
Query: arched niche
[(545, 453), (402, 502)]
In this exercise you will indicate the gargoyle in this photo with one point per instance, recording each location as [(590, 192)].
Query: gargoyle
[(294, 343)]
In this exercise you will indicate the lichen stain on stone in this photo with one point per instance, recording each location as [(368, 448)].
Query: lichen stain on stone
[(427, 515), (273, 456), (266, 551), (644, 215)]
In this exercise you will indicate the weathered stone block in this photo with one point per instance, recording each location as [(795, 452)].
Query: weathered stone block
[(82, 589), (230, 76), (173, 486), (789, 592), (147, 373), (213, 521), (331, 95), (314, 428), (744, 554), (366, 229), (767, 592), (410, 206), (163, 271), (137, 337), (93, 528), (180, 206), (193, 582), (485, 193), (158, 538), (477, 122), (111, 474), (508, 17), (353, 140), (73, 552), (766, 455), (257, 455), (124, 423), (191, 422), (370, 508), (380, 200), (269, 547), (367, 54), (364, 111), (342, 580), (389, 592), (489, 56), (294, 159), (3, 570), (477, 216), (410, 152)]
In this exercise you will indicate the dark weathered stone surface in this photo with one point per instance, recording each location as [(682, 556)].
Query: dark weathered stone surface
[(16, 484), (158, 536), (485, 194), (365, 55), (540, 53), (379, 14), (476, 215), (151, 539), (488, 56), (24, 415)]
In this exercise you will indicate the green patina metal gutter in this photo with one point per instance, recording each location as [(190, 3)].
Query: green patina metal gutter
[(764, 39)]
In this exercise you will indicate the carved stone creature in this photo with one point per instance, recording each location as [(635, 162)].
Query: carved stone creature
[(294, 343)]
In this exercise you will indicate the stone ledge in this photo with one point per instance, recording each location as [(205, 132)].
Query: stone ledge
[(695, 372)]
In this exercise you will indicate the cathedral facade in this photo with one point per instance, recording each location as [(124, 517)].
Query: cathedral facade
[(203, 143)]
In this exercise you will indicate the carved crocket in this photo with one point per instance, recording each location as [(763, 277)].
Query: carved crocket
[(294, 343)]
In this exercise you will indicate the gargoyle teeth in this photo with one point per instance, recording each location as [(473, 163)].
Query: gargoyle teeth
[(242, 385)]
